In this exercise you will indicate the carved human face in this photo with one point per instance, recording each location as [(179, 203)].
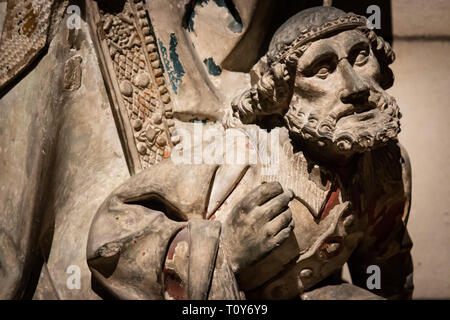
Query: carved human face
[(338, 107)]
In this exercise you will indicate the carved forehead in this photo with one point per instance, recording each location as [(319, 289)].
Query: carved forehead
[(308, 26), (340, 45), (309, 18)]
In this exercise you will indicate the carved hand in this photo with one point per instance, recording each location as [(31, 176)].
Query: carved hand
[(258, 223)]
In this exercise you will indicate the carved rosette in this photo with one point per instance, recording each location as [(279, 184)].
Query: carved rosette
[(135, 79)]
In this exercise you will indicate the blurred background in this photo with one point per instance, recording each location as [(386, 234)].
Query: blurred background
[(421, 40)]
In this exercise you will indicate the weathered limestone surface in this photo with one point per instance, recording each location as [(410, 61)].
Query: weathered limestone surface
[(66, 123), (112, 100)]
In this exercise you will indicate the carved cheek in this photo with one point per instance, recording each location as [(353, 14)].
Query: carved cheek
[(319, 97), (314, 89)]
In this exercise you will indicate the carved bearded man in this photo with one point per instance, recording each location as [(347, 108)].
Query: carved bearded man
[(340, 194)]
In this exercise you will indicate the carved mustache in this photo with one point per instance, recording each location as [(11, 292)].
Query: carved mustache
[(362, 111)]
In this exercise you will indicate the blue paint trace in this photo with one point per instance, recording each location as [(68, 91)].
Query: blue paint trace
[(213, 68), (172, 64), (220, 3), (235, 26), (190, 24)]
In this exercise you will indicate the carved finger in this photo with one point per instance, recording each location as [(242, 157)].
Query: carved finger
[(279, 223), (261, 194), (274, 207), (282, 236)]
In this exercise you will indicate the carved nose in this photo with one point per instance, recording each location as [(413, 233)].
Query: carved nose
[(355, 90)]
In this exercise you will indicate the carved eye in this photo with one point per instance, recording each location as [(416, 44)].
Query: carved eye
[(362, 57), (323, 72)]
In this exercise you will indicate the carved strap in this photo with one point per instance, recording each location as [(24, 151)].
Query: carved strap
[(204, 244), (190, 261)]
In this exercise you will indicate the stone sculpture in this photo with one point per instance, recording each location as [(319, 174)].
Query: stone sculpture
[(323, 79), (337, 192)]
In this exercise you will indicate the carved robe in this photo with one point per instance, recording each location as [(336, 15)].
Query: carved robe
[(158, 235)]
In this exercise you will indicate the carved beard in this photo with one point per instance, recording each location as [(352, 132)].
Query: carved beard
[(351, 128)]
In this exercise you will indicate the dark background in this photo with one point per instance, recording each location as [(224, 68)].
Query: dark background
[(285, 9)]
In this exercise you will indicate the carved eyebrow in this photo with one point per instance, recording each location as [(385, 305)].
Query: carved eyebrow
[(316, 55), (361, 44)]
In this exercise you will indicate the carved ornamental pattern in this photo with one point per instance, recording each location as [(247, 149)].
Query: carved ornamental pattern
[(135, 74), (24, 36)]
